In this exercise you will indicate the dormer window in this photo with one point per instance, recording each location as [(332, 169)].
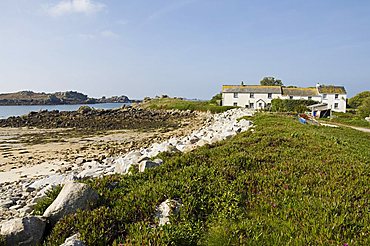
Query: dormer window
[(336, 96), (251, 95), (324, 96), (269, 95), (236, 95)]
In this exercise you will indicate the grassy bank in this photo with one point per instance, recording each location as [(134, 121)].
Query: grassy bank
[(349, 118), (180, 104), (283, 184)]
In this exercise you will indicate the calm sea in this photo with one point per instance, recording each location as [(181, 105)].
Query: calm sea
[(7, 111)]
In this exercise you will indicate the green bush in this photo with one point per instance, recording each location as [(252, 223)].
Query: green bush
[(46, 201), (181, 104), (286, 105), (364, 109), (357, 100), (282, 184)]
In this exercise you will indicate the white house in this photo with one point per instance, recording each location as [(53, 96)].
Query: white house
[(259, 97)]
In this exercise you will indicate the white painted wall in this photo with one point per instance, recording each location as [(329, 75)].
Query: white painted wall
[(244, 99), (330, 100)]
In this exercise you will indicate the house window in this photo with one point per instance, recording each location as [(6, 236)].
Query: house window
[(269, 105), (252, 95), (260, 105), (235, 104), (236, 95), (251, 105), (324, 96), (336, 96), (269, 95), (309, 98), (290, 97), (335, 105), (247, 106)]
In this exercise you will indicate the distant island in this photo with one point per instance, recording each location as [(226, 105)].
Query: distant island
[(57, 98)]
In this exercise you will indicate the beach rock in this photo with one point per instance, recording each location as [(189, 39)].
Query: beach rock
[(90, 173), (165, 209), (149, 164), (73, 241), (23, 231), (73, 196), (123, 164), (6, 204)]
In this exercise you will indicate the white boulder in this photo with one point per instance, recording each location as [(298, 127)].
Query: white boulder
[(73, 196), (23, 231), (149, 164)]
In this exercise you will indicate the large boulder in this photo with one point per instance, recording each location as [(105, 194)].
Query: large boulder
[(23, 231), (73, 196), (149, 164)]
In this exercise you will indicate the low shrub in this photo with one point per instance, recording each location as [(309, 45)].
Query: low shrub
[(282, 184), (46, 201), (181, 104), (286, 105)]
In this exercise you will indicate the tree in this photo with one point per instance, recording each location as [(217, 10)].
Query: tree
[(357, 100), (271, 81), (216, 99), (364, 109)]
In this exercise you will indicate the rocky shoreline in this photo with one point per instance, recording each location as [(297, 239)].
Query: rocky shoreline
[(57, 98), (20, 196), (99, 119)]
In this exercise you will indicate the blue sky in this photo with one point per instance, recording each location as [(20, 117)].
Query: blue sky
[(185, 48)]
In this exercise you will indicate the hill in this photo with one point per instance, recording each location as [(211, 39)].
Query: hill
[(57, 98)]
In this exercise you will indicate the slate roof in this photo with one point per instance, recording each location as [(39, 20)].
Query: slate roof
[(251, 89), (302, 92), (331, 89)]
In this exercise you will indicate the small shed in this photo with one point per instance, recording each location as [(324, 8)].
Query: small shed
[(320, 110)]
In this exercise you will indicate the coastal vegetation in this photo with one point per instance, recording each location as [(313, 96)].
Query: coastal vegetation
[(45, 202), (282, 183), (357, 100), (350, 118), (182, 104), (286, 105)]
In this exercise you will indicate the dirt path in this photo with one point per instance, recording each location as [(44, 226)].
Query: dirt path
[(362, 129)]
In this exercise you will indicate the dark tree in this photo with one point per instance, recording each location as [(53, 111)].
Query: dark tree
[(271, 81)]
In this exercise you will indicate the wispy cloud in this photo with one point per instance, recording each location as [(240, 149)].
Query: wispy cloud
[(109, 34), (75, 6)]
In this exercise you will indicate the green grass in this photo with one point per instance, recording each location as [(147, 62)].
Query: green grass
[(180, 104), (350, 118), (46, 201), (283, 184)]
